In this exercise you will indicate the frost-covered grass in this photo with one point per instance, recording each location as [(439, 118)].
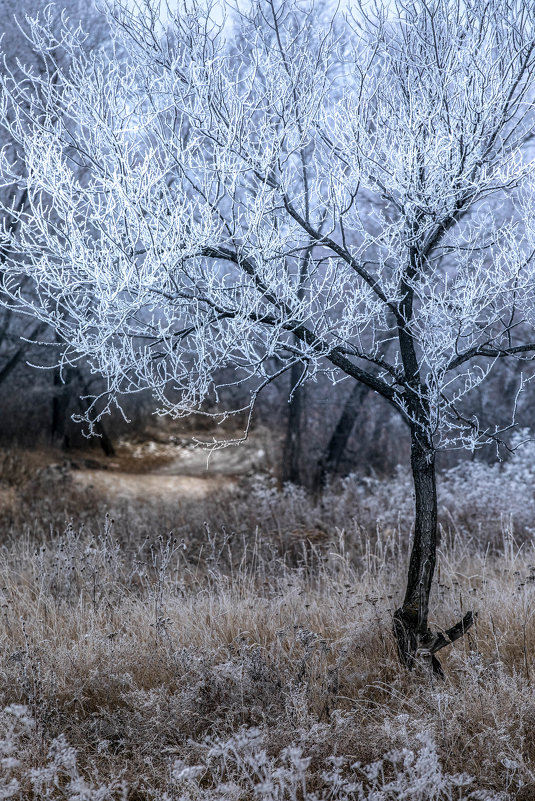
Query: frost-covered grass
[(248, 655), (228, 665), (237, 767)]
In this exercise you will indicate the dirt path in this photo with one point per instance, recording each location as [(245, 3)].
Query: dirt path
[(164, 471), (148, 486), (162, 468)]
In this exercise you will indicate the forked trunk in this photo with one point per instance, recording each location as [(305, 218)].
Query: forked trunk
[(415, 641)]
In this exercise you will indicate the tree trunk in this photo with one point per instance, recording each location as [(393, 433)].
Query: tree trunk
[(60, 402), (332, 455), (66, 392), (410, 622), (291, 459), (104, 438), (414, 639)]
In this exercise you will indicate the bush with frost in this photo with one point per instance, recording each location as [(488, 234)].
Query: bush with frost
[(58, 778), (240, 765), (235, 768)]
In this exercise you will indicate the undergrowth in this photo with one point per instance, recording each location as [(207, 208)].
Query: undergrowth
[(241, 647), (482, 503), (238, 667)]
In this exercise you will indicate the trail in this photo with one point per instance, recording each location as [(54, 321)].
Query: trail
[(156, 471), (148, 486)]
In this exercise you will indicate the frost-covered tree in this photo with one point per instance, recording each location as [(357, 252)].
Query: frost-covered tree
[(17, 333), (175, 193)]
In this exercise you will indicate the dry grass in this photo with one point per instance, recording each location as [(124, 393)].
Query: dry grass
[(137, 655), (249, 654)]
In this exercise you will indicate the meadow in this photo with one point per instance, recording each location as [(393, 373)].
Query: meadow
[(239, 646)]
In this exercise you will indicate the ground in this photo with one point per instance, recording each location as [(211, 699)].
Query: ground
[(157, 466), (160, 470), (171, 632)]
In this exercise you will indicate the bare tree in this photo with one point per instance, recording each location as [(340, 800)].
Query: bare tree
[(169, 215), (18, 334)]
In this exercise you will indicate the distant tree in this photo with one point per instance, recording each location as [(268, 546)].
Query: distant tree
[(331, 457), (167, 216), (18, 334), (294, 468)]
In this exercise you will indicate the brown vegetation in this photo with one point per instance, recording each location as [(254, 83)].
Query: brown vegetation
[(133, 645)]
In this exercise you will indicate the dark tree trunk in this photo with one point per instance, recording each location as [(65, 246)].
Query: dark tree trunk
[(60, 402), (330, 460), (410, 622), (423, 555), (415, 642), (413, 636), (70, 391), (104, 438), (291, 459)]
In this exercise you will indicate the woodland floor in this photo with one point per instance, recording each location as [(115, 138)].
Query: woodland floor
[(155, 467), (176, 632)]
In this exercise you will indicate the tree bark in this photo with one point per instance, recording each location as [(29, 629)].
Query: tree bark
[(66, 392), (60, 402), (105, 440), (410, 621), (415, 641)]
